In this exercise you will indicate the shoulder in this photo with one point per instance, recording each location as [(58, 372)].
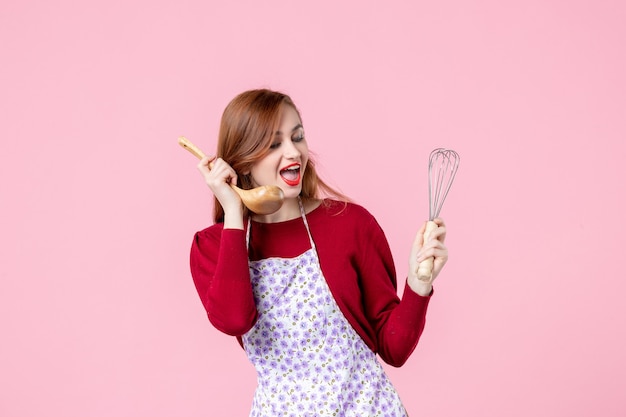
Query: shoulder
[(332, 207), (335, 212), (210, 236), (357, 211)]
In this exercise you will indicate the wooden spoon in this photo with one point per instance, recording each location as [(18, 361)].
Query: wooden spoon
[(260, 200)]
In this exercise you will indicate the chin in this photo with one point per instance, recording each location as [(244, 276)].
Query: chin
[(291, 192)]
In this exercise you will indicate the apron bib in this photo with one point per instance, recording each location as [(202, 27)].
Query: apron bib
[(309, 360)]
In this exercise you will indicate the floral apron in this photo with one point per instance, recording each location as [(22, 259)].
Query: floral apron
[(309, 360)]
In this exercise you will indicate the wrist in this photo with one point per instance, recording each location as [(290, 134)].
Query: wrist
[(233, 219), (421, 288)]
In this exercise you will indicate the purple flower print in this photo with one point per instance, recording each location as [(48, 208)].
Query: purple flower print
[(301, 371)]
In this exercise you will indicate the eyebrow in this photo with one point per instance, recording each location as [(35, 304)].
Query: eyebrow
[(298, 126)]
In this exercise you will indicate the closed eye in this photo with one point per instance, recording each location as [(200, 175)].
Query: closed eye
[(297, 136)]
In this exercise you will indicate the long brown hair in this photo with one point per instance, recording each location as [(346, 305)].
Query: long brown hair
[(246, 134)]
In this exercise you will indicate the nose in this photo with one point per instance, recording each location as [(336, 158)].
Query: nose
[(290, 151)]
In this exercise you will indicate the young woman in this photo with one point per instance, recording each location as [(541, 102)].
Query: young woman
[(310, 290)]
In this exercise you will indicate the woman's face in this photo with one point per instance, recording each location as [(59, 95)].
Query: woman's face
[(284, 165)]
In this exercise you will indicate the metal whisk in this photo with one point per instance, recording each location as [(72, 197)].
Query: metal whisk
[(442, 167)]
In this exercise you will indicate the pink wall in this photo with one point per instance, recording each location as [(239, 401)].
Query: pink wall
[(98, 312)]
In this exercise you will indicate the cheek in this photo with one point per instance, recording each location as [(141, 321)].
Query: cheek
[(263, 168), (255, 173), (304, 153)]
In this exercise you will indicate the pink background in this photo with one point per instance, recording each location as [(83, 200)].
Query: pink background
[(98, 313)]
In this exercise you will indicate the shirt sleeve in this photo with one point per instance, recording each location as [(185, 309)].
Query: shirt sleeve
[(398, 323), (219, 267)]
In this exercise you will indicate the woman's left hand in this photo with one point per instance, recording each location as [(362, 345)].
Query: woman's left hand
[(421, 251)]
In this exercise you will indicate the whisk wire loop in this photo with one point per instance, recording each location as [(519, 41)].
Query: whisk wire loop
[(442, 167)]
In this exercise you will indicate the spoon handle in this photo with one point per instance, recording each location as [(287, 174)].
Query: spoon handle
[(261, 200), (185, 143)]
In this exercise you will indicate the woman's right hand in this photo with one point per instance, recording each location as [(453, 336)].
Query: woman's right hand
[(219, 176)]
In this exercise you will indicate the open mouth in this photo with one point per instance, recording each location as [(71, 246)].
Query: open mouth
[(291, 174)]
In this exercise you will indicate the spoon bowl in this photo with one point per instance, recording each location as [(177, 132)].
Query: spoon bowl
[(266, 199)]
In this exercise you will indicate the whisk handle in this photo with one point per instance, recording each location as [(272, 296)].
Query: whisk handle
[(425, 268)]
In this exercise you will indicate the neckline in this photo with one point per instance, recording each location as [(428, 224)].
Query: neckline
[(315, 209), (303, 218)]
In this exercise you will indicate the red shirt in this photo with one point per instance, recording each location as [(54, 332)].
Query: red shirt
[(355, 259)]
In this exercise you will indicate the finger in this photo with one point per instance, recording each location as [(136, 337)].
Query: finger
[(438, 234), (439, 263), (439, 221), (233, 180), (205, 163), (432, 249), (217, 166), (418, 241), (441, 230), (222, 170)]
